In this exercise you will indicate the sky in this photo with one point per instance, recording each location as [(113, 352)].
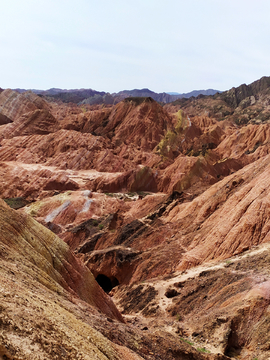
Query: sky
[(106, 45)]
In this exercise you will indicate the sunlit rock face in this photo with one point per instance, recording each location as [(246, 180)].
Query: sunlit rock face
[(28, 242)]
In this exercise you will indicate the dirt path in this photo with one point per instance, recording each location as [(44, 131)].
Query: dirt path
[(162, 285), (79, 176), (169, 324)]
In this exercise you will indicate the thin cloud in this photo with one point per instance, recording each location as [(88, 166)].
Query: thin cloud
[(110, 46)]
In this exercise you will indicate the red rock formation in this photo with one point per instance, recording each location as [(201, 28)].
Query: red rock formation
[(4, 119), (181, 233), (142, 178), (149, 247), (14, 105), (24, 238), (187, 172), (35, 122), (233, 205), (244, 142), (42, 311)]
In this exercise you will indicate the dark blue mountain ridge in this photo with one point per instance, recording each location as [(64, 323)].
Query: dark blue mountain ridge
[(90, 96)]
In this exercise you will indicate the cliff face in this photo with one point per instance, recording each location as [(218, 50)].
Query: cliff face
[(168, 207), (246, 104), (234, 96)]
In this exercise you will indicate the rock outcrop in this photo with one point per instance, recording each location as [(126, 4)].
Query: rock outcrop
[(13, 104), (34, 122), (4, 120), (38, 249)]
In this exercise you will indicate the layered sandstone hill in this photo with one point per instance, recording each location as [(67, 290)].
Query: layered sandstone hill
[(146, 148), (52, 308), (166, 206), (14, 104), (28, 244)]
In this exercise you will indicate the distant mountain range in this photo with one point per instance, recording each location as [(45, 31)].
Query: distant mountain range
[(89, 96)]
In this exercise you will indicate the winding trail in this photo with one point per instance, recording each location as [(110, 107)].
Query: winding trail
[(162, 285)]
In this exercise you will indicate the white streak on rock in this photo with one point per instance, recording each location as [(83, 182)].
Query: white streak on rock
[(88, 201), (50, 217)]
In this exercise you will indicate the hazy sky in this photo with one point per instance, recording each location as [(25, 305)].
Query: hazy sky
[(112, 45)]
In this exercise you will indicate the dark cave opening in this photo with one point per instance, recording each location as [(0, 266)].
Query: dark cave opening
[(233, 349), (107, 283)]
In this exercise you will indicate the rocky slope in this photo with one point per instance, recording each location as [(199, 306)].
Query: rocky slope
[(52, 308), (166, 206), (13, 104), (244, 104)]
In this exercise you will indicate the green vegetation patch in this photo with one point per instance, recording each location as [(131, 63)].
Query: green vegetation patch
[(138, 100), (203, 350), (187, 341), (173, 137), (110, 194), (17, 202), (179, 317), (143, 193)]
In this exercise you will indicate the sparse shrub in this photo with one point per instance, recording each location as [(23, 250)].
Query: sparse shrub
[(204, 350), (16, 203), (33, 212), (132, 194), (143, 193), (138, 100), (187, 341), (179, 317), (180, 123), (173, 137), (100, 226)]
